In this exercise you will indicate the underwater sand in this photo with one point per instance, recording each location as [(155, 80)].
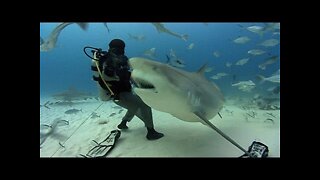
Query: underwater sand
[(182, 139)]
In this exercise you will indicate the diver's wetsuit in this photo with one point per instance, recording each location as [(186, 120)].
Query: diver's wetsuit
[(118, 66)]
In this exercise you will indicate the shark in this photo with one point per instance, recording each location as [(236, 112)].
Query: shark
[(50, 43), (188, 96), (72, 94), (47, 130), (160, 28), (176, 91)]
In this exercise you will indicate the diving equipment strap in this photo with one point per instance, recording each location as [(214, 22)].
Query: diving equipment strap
[(95, 57)]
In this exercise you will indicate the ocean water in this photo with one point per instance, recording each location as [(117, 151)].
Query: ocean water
[(66, 65)]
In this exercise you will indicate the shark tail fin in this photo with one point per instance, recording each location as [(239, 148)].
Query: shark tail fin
[(83, 26), (41, 40), (185, 37)]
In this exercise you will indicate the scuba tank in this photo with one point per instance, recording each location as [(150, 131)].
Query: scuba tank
[(103, 93), (94, 67)]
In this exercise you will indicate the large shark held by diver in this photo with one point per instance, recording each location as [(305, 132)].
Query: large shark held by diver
[(188, 96), (178, 92)]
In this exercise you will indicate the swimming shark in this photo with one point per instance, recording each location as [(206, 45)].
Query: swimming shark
[(188, 96), (160, 28), (49, 43), (72, 94), (47, 130)]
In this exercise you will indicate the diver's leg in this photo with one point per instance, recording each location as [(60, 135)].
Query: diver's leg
[(135, 105), (127, 118), (124, 102)]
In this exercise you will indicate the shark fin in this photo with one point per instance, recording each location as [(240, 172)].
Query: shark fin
[(158, 26), (202, 70), (41, 40), (185, 37), (83, 26)]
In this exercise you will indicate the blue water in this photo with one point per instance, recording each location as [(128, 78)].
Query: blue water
[(66, 65)]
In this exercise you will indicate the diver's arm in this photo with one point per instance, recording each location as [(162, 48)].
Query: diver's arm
[(104, 95), (110, 78)]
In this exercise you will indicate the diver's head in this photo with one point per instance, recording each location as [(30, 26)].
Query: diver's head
[(117, 46)]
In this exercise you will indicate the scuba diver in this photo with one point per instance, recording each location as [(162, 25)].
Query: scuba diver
[(115, 84)]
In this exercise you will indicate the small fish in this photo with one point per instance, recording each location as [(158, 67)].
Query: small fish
[(218, 75), (137, 37), (269, 119), (241, 40), (61, 145), (208, 69), (228, 64), (268, 61), (45, 105), (271, 115), (112, 114), (103, 121), (190, 46), (269, 43), (94, 115), (256, 29), (245, 86), (73, 111), (150, 53), (276, 33), (271, 26), (256, 52), (242, 61), (62, 103), (274, 78), (216, 54), (222, 74)]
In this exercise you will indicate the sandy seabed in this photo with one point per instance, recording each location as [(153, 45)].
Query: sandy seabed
[(182, 139)]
